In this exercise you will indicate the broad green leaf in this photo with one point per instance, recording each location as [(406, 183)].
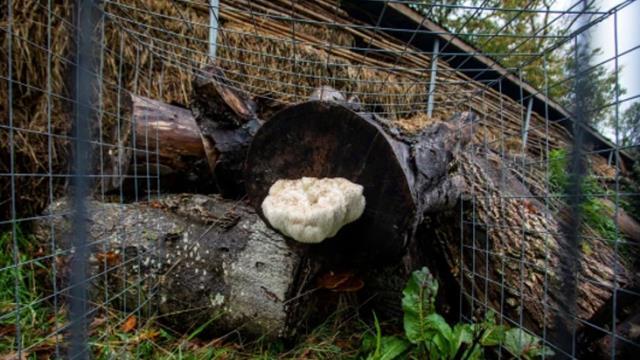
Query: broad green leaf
[(493, 335), (369, 343), (391, 347), (418, 303), (523, 345), (462, 333), (437, 336)]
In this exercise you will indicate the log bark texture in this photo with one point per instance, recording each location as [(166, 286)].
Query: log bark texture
[(505, 248), (159, 140), (193, 258), (227, 119)]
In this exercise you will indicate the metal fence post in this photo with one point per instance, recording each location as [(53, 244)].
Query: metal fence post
[(214, 10), (525, 126), (432, 80)]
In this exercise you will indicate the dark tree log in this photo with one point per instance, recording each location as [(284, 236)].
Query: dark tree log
[(596, 342), (626, 343), (158, 139), (507, 251), (227, 119), (404, 176), (199, 258), (185, 148), (511, 251)]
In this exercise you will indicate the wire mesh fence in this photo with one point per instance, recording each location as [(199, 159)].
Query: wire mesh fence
[(545, 236)]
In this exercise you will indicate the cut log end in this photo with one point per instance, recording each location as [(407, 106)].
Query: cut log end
[(402, 176), (326, 140)]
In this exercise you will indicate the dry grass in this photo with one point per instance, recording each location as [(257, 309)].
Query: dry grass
[(266, 64), (148, 50), (42, 99)]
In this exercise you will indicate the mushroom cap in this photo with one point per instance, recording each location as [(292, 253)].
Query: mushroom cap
[(310, 210)]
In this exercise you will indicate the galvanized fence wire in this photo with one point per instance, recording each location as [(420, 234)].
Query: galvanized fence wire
[(68, 73)]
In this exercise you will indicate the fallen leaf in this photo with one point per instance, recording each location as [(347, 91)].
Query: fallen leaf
[(332, 280), (195, 344), (7, 330), (529, 206), (96, 323), (149, 334), (111, 258), (14, 356), (155, 204), (129, 324), (351, 285)]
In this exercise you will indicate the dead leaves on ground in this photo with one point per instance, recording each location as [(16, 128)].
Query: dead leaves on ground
[(111, 258), (129, 324)]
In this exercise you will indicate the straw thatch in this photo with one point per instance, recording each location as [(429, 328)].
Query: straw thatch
[(153, 48), (42, 97)]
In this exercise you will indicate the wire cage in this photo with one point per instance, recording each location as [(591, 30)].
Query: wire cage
[(544, 239)]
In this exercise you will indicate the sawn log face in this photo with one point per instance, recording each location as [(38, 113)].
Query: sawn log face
[(403, 175)]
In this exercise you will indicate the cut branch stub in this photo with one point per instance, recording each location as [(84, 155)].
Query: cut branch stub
[(161, 139), (402, 175), (213, 98), (227, 119)]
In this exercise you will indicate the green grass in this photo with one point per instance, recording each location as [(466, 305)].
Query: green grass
[(339, 337), (21, 306)]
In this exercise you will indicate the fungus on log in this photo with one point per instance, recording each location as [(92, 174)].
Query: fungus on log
[(403, 176), (227, 119), (201, 258), (310, 210)]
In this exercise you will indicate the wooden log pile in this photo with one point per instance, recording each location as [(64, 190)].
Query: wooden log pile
[(217, 256)]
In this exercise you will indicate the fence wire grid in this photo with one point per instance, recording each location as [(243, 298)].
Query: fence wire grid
[(68, 141)]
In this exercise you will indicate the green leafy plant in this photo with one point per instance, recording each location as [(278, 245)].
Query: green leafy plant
[(381, 347), (523, 345), (429, 336), (595, 213), (418, 303)]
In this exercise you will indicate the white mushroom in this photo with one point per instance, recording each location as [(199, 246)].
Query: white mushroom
[(310, 210)]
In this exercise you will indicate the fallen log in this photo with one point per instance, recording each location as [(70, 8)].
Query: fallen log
[(157, 140), (506, 250), (193, 258), (196, 151), (510, 252), (512, 247), (404, 176)]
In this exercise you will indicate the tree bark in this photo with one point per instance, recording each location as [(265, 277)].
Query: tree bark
[(194, 258), (158, 140), (227, 119), (404, 176), (505, 248)]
